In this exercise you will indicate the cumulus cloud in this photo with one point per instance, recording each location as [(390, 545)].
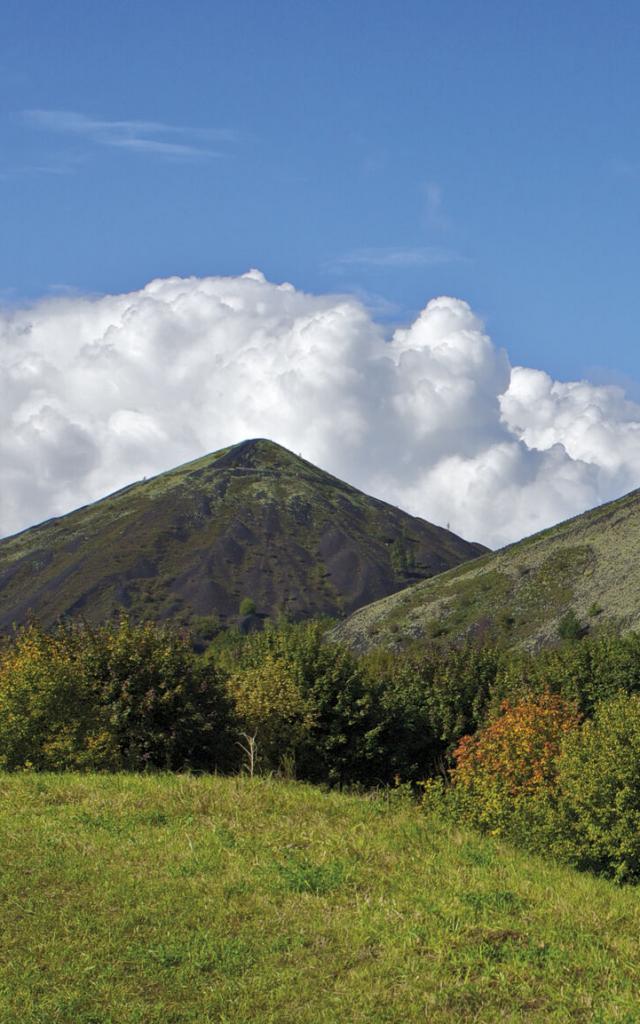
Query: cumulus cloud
[(96, 392)]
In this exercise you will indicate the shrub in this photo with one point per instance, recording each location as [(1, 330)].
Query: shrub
[(247, 606), (167, 708), (342, 744), (122, 696), (203, 630), (271, 708), (598, 808), (570, 627), (409, 745), (588, 672), (464, 679), (426, 700), (509, 767), (50, 716)]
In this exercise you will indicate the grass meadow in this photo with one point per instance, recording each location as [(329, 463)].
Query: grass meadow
[(169, 899)]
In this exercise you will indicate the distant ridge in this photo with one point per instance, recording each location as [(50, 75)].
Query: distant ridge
[(587, 568), (252, 520)]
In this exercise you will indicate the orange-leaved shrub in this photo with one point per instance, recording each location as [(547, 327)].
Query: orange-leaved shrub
[(505, 773)]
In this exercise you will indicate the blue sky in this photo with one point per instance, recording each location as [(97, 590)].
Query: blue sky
[(486, 150)]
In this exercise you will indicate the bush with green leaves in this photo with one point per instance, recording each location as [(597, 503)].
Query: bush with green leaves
[(570, 627), (121, 696), (339, 744), (597, 817), (168, 708), (272, 710), (598, 667), (51, 717), (427, 699)]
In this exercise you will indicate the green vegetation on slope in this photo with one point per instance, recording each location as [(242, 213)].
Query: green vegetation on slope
[(252, 522), (587, 568), (181, 900)]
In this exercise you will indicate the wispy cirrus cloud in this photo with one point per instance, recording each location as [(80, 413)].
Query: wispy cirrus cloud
[(435, 217), (148, 137), (56, 164), (397, 256)]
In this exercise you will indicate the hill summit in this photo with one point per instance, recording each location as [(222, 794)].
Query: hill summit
[(250, 521)]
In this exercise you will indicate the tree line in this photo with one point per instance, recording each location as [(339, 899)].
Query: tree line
[(542, 748)]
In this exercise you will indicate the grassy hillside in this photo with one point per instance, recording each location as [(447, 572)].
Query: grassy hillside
[(181, 900), (252, 521), (590, 564)]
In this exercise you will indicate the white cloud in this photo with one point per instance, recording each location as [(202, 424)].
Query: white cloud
[(397, 256), (98, 392), (137, 136), (435, 217)]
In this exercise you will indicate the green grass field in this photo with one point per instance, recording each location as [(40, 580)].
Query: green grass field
[(173, 899)]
